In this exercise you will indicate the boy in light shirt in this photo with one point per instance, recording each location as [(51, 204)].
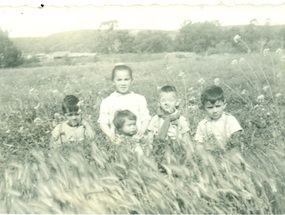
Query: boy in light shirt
[(168, 123), (218, 124), (74, 129)]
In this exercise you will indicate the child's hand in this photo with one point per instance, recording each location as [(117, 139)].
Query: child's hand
[(112, 138), (139, 150), (138, 136)]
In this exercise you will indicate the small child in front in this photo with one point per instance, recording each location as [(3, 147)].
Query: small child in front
[(125, 123), (168, 123), (74, 128), (123, 99), (218, 124)]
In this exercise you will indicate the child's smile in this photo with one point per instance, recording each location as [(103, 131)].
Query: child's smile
[(122, 81)]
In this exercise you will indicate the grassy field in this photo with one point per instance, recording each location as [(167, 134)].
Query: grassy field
[(98, 177)]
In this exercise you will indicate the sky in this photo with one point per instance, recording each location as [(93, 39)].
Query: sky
[(27, 18)]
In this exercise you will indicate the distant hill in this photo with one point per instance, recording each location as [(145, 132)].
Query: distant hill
[(73, 41)]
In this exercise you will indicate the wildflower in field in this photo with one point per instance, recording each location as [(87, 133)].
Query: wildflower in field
[(217, 81), (278, 95), (241, 60), (266, 51), (193, 107), (234, 62), (181, 74), (283, 58), (37, 121), (67, 88), (192, 99), (191, 89), (201, 81), (80, 103), (31, 90), (265, 88), (56, 115), (243, 92), (55, 92), (37, 107), (168, 68), (279, 51), (21, 130), (237, 38), (260, 98)]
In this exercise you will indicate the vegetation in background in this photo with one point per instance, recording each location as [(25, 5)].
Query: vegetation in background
[(207, 37), (99, 177), (10, 55)]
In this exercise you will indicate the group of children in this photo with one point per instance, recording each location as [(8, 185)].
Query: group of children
[(124, 114)]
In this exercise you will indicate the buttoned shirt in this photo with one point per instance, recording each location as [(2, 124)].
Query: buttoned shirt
[(64, 133), (220, 129)]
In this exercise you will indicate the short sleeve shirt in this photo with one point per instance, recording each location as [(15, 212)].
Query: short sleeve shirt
[(64, 133), (220, 129), (133, 102), (157, 122)]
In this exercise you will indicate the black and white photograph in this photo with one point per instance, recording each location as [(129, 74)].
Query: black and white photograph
[(142, 107)]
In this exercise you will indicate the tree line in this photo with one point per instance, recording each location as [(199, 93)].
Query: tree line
[(203, 38), (207, 37)]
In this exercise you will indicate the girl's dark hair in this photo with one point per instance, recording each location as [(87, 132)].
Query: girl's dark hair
[(212, 94), (120, 68), (121, 116), (70, 104)]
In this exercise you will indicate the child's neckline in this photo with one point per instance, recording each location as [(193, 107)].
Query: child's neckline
[(130, 92)]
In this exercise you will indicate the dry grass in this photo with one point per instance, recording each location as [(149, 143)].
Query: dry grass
[(98, 177)]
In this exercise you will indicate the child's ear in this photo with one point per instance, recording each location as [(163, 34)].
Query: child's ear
[(225, 103), (178, 102), (158, 103)]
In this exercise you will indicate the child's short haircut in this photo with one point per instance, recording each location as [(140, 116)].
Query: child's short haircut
[(121, 116), (168, 89), (70, 104), (121, 67), (212, 94)]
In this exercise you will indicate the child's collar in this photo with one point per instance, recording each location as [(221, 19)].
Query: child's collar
[(117, 93), (175, 115), (211, 120)]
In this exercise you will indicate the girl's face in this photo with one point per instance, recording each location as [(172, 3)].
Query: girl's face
[(122, 81), (73, 118), (129, 127)]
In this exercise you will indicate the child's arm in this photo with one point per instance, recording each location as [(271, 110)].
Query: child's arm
[(236, 141), (144, 127), (104, 117), (145, 117), (55, 134), (108, 131), (150, 136)]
